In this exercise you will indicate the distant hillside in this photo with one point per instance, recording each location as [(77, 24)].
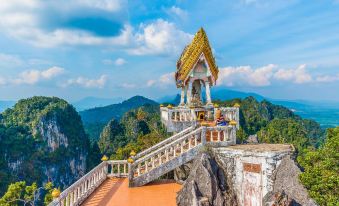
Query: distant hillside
[(91, 102), (95, 119), (217, 94), (326, 113), (106, 113)]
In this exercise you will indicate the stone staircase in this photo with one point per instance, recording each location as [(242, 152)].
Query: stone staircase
[(176, 151), (151, 163)]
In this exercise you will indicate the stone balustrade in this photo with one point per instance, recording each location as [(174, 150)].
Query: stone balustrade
[(82, 188), (165, 142), (215, 136), (179, 118), (167, 152)]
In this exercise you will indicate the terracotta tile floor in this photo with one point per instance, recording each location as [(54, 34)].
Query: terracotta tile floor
[(115, 192)]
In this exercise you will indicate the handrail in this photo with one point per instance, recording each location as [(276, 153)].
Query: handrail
[(73, 196), (160, 144), (166, 146)]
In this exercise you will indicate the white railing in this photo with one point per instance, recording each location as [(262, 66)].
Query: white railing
[(82, 188), (220, 134), (167, 152), (117, 168), (173, 149), (164, 142)]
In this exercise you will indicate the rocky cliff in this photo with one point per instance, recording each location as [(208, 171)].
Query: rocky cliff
[(42, 139), (207, 185)]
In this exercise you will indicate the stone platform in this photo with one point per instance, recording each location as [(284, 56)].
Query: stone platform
[(253, 168), (115, 191)]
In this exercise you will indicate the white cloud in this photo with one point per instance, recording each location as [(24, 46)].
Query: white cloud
[(120, 61), (163, 81), (160, 37), (109, 5), (150, 82), (117, 62), (182, 14), (25, 20), (7, 60), (88, 83), (128, 86), (299, 75), (327, 78), (241, 75), (34, 76)]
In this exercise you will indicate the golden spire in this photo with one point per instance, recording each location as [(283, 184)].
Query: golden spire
[(191, 55)]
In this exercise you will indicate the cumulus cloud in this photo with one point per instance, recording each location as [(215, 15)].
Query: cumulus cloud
[(299, 75), (80, 23), (34, 21), (34, 76), (120, 61), (87, 83), (241, 75), (159, 37), (176, 11), (163, 81)]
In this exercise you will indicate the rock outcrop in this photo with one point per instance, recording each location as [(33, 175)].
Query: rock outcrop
[(206, 185), (287, 186)]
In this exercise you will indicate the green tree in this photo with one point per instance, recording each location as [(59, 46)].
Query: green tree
[(321, 170), (111, 138), (284, 131), (19, 193)]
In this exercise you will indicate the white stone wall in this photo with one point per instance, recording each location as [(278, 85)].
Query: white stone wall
[(268, 161)]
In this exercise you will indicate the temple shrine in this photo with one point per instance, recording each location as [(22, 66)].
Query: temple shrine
[(195, 123)]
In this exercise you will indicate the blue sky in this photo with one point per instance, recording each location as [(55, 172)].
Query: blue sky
[(286, 49)]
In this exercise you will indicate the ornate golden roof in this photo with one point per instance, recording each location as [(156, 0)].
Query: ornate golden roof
[(191, 54)]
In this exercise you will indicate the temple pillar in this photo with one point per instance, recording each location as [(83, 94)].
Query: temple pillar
[(189, 93), (182, 98), (208, 93)]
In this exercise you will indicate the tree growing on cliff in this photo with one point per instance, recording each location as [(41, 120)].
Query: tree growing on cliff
[(321, 170), (112, 137), (19, 193)]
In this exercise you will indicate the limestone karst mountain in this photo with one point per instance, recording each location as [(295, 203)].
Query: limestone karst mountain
[(42, 139)]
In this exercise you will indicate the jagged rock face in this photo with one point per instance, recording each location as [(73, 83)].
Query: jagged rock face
[(72, 166), (280, 199), (181, 173), (50, 132), (42, 139), (286, 182), (206, 185)]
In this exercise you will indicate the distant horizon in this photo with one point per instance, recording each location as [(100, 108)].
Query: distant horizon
[(118, 48)]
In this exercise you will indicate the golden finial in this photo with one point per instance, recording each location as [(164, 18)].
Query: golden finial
[(130, 160), (132, 153), (104, 158), (237, 105), (55, 193), (216, 105), (169, 106), (233, 122), (161, 105)]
